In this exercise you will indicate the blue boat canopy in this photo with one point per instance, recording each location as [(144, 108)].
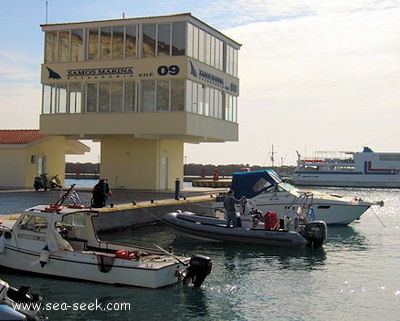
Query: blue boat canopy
[(250, 184)]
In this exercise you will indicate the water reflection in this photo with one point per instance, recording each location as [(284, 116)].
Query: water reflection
[(195, 302), (345, 238), (142, 236), (243, 257)]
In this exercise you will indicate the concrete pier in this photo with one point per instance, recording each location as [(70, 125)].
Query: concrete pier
[(129, 207)]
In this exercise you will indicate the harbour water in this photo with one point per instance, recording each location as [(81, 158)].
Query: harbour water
[(355, 277)]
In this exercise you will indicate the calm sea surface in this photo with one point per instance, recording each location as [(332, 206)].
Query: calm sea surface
[(355, 277)]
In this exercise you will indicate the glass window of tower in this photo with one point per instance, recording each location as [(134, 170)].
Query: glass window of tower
[(47, 99), (162, 95), (177, 94), (118, 42), (63, 46), (164, 40), (116, 96), (104, 97), (91, 98), (75, 98), (105, 43), (76, 45), (178, 38), (61, 99), (50, 52), (130, 96), (130, 42), (148, 95), (149, 41), (93, 44)]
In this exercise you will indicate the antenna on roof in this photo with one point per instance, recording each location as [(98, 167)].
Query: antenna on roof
[(272, 158), (47, 11)]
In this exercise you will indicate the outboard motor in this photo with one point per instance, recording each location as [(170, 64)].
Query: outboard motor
[(22, 295), (315, 232), (199, 267)]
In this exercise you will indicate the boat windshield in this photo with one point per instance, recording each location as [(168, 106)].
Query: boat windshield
[(77, 219), (285, 187), (35, 223)]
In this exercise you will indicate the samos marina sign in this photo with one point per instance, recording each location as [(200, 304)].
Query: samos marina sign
[(193, 70), (57, 74), (100, 72), (213, 77)]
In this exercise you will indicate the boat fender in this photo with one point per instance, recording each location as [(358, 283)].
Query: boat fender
[(271, 220), (44, 257), (7, 235)]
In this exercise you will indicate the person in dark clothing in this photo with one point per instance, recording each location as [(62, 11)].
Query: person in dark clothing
[(230, 209), (100, 192)]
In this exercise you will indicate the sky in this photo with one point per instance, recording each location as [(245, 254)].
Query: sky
[(315, 75)]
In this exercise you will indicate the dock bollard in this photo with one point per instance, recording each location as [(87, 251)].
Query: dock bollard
[(177, 185)]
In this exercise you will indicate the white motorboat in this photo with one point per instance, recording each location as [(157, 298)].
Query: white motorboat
[(61, 241), (270, 193), (251, 231), (18, 304), (349, 169)]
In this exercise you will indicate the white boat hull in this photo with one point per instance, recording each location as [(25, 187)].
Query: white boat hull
[(87, 266), (349, 169), (62, 242), (330, 209), (346, 180), (269, 192), (333, 210)]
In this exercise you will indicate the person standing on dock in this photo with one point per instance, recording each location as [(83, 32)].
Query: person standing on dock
[(100, 192), (230, 209)]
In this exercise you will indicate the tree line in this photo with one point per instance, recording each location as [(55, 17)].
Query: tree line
[(195, 170)]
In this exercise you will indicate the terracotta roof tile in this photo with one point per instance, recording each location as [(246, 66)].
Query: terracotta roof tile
[(20, 136)]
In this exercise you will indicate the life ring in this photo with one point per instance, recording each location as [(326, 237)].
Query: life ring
[(123, 254), (53, 208), (80, 206)]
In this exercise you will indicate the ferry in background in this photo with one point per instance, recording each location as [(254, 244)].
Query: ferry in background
[(349, 169)]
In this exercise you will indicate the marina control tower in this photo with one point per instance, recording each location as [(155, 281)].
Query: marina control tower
[(142, 87)]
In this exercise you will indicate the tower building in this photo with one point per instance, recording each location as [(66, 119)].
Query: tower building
[(142, 87)]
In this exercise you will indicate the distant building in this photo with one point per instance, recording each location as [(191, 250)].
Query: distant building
[(25, 154), (142, 87)]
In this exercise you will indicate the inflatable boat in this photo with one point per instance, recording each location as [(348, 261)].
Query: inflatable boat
[(301, 234)]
